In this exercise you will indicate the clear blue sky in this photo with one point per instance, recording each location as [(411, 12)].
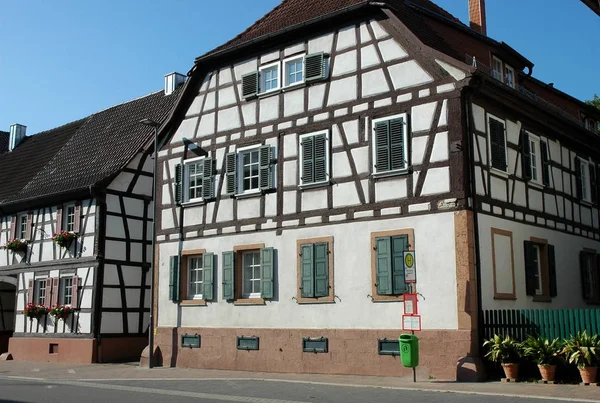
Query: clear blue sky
[(63, 60)]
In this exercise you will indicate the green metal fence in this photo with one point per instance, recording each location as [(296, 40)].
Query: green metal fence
[(550, 323)]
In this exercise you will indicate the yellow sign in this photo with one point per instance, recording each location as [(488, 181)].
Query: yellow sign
[(409, 260), (410, 269)]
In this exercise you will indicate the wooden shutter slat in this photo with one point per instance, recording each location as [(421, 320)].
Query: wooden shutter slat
[(384, 265), (207, 276), (398, 244), (382, 147), (593, 183), (228, 275), (314, 67), (530, 267), (30, 292), (77, 218), (29, 228), (552, 271), (545, 163), (307, 271), (578, 182), (250, 86), (230, 173), (59, 223), (308, 161), (585, 285), (55, 290), (174, 285), (526, 155), (267, 268), (320, 159), (75, 292), (321, 269), (207, 179), (265, 172), (178, 184), (396, 128), (498, 142), (13, 227)]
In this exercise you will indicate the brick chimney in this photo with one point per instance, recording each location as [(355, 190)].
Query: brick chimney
[(477, 16)]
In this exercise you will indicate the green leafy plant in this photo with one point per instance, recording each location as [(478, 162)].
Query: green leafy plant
[(64, 238), (582, 350), (503, 349), (33, 310), (60, 311), (16, 245), (543, 351)]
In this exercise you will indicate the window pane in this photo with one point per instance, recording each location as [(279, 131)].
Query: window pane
[(251, 273), (195, 172), (195, 277), (250, 170), (533, 161)]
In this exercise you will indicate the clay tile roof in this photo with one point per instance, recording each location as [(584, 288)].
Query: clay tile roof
[(294, 12), (594, 5), (4, 141)]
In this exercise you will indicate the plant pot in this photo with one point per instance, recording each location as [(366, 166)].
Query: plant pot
[(548, 372), (588, 374), (511, 370)]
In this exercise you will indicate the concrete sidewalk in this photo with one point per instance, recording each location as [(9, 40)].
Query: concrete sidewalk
[(104, 373)]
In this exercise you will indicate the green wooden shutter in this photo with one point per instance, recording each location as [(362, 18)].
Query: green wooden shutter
[(399, 244), (321, 265), (265, 171), (306, 275), (530, 267), (382, 147), (174, 278), (207, 276), (208, 187), (178, 184), (552, 271), (230, 173), (585, 285), (314, 67), (593, 184), (545, 163), (498, 144), (397, 155), (228, 275), (267, 269), (526, 155), (383, 247), (578, 178), (250, 85), (320, 165), (308, 160)]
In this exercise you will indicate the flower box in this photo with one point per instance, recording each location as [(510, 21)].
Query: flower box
[(17, 245), (33, 310), (64, 238), (61, 311)]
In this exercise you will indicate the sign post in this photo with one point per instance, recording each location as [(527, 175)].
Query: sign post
[(411, 320)]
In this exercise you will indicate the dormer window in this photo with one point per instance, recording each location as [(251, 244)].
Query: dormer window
[(497, 71), (509, 79)]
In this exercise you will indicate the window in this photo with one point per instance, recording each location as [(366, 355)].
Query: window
[(387, 263), (194, 180), (535, 163), (390, 151), (587, 188), (314, 157), (294, 71), (22, 228), (192, 282), (195, 277), (509, 79), (269, 77), (497, 70), (590, 276), (248, 274), (40, 291), (69, 223), (249, 170), (540, 270), (497, 141), (315, 270), (66, 290)]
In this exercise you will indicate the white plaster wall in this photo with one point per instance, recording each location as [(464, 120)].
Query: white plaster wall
[(435, 259), (567, 248)]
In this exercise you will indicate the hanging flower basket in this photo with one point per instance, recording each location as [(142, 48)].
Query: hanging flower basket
[(36, 311), (60, 312), (64, 238), (17, 245)]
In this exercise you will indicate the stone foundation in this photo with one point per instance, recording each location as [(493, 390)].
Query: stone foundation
[(351, 351), (78, 351)]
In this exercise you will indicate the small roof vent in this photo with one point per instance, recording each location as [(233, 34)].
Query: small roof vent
[(17, 134), (172, 81)]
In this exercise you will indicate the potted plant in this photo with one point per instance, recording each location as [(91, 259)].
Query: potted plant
[(584, 351), (60, 312), (33, 310), (64, 238), (507, 351), (17, 245), (545, 353)]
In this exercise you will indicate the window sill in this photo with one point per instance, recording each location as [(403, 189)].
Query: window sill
[(249, 301), (542, 298), (507, 297), (592, 302), (309, 186), (586, 202), (194, 203), (316, 300), (397, 172), (254, 193), (499, 172), (193, 302), (534, 184), (387, 298)]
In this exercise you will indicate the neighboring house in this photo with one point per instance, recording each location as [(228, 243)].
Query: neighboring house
[(4, 136), (306, 155), (93, 180)]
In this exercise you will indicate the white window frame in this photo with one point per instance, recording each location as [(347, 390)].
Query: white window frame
[(262, 81), (286, 63), (36, 290), (511, 83), (586, 186), (240, 169), (63, 289), (186, 179), (65, 223), (407, 148), (199, 258), (246, 295), (327, 158), (535, 140), (498, 75), (21, 232), (489, 141)]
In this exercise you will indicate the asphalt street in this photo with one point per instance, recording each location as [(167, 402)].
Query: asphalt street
[(32, 390)]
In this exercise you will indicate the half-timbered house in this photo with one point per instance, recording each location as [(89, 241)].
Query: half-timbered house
[(90, 180), (307, 154)]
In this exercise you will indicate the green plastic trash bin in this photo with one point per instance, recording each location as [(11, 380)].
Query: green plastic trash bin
[(409, 350)]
